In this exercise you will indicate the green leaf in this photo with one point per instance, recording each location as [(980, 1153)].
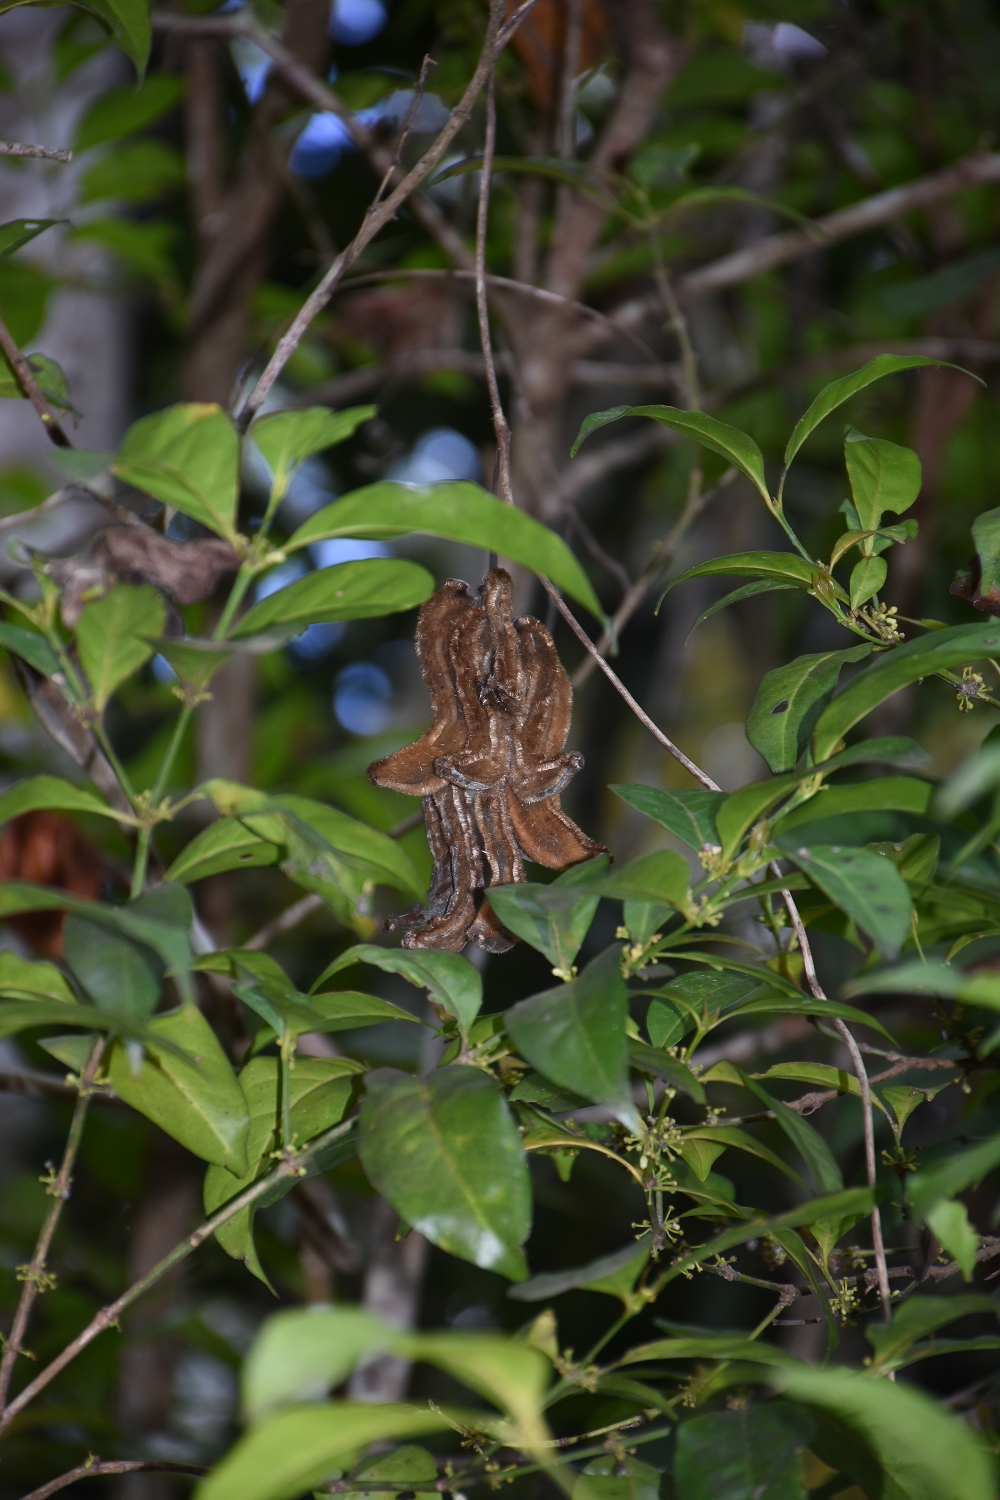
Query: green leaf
[(753, 1453), (839, 391), (24, 980), (406, 1466), (952, 1174), (665, 1023), (49, 377), (188, 457), (127, 110), (880, 794), (739, 811), (576, 1035), (110, 637), (460, 512), (949, 1222), (729, 442), (346, 591), (24, 1015), (224, 845), (194, 1098), (893, 1440), (288, 438), (194, 664), (804, 1137), (746, 591), (18, 232), (138, 172), (297, 1448), (300, 1352), (916, 1318), (451, 980), (724, 1136), (32, 647), (615, 1274), (321, 1089), (955, 646), (118, 974), (883, 477), (785, 567), (790, 700), (865, 886), (611, 1479), (657, 879), (445, 1152), (661, 1065), (553, 918), (55, 795), (689, 815)]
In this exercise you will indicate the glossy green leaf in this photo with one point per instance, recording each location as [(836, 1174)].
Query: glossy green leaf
[(746, 591), (609, 1478), (460, 512), (615, 1274), (576, 1036), (49, 377), (724, 1136), (346, 591), (689, 815), (127, 110), (951, 1174), (193, 663), (445, 1152), (666, 1024), (865, 886), (741, 810), (790, 700), (188, 457), (867, 577), (883, 477), (195, 1098), (949, 1222), (451, 980), (657, 1064), (321, 1089), (297, 1448), (25, 1015), (22, 979), (224, 845), (111, 637), (55, 795), (804, 1137), (405, 1466), (729, 442), (880, 794), (893, 1440), (31, 647), (753, 1453), (663, 877), (783, 567), (18, 232), (303, 1351), (955, 646), (288, 438), (553, 918), (117, 973), (839, 391), (697, 995), (917, 1317)]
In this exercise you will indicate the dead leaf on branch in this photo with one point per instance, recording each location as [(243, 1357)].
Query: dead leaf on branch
[(491, 766), (186, 571)]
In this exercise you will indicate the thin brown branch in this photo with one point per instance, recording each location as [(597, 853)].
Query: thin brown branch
[(292, 1164), (35, 1276), (376, 218), (500, 428), (97, 1468), (38, 1085), (30, 387), (622, 690), (47, 153)]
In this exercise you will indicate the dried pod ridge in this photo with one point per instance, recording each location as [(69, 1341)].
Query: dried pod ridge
[(492, 764)]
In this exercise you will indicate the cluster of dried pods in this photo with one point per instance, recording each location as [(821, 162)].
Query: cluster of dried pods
[(491, 766)]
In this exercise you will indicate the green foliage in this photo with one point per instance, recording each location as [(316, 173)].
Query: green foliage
[(348, 591)]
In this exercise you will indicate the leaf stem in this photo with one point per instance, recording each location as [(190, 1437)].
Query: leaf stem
[(34, 1275), (240, 585)]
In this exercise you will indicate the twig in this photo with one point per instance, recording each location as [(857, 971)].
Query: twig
[(22, 148), (411, 115), (291, 1165), (96, 1468), (35, 1276), (500, 428), (37, 1085), (376, 218), (30, 387), (661, 558), (620, 688), (284, 922)]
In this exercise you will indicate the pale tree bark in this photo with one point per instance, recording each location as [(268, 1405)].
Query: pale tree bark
[(393, 1279)]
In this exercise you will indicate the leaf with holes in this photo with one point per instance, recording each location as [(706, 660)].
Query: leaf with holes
[(790, 700)]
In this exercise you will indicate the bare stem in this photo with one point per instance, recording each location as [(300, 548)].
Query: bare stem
[(22, 148), (96, 1468), (502, 431), (35, 1274), (30, 387), (291, 1165)]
